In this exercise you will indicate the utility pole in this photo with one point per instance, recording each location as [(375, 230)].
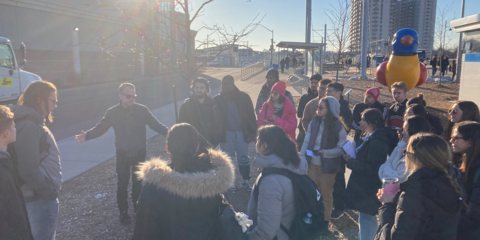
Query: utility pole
[(459, 51), (173, 50), (308, 32), (325, 46), (188, 36), (363, 74)]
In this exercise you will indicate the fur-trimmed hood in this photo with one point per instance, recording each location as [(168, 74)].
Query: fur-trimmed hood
[(191, 185)]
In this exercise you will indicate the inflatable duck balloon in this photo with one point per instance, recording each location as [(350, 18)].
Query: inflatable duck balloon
[(403, 65)]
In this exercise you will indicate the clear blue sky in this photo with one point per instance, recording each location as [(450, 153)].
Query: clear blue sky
[(285, 17)]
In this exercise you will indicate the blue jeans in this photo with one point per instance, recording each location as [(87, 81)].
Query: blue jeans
[(236, 144), (368, 226), (43, 219)]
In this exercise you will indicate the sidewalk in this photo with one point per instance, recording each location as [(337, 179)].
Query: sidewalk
[(78, 158)]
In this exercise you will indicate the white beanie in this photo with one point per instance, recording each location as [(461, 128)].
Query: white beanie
[(334, 106)]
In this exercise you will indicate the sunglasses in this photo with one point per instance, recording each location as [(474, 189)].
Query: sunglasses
[(320, 108), (54, 102), (129, 96), (409, 155), (275, 93), (452, 111), (454, 139)]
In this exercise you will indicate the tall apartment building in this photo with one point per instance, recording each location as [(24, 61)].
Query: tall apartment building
[(388, 16)]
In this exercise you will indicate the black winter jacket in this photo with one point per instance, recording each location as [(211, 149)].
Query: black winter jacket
[(469, 224), (303, 102), (346, 113), (428, 209), (182, 206), (363, 185), (129, 125), (435, 123), (245, 112), (201, 116), (14, 222)]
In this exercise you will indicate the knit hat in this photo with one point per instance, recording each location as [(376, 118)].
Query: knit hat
[(280, 87), (272, 72), (374, 92), (228, 80), (334, 106)]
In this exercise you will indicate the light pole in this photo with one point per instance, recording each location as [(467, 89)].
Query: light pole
[(459, 51), (271, 45), (363, 74)]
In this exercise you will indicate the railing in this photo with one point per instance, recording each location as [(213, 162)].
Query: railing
[(251, 70)]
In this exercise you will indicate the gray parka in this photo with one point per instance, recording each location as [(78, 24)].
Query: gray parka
[(275, 200)]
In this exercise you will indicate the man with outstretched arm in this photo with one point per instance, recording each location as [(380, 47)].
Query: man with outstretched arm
[(129, 120)]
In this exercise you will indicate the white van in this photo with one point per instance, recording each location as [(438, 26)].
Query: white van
[(13, 80)]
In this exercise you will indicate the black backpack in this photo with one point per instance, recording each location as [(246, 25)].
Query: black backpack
[(13, 154), (307, 200)]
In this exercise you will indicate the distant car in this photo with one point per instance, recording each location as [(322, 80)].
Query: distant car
[(246, 64)]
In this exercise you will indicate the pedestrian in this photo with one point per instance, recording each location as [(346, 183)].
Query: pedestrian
[(287, 62), (453, 66), (198, 110), (397, 110), (422, 60), (429, 201), (279, 110), (312, 93), (237, 125), (466, 141), (294, 62), (364, 183), (461, 111), (434, 63), (336, 90), (272, 77), (432, 119), (14, 222), (395, 164), (181, 195), (37, 157), (129, 120), (444, 65), (322, 149), (370, 100), (282, 64), (276, 200), (310, 110)]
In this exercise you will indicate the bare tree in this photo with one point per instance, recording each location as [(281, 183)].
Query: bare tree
[(163, 35), (339, 16), (443, 33)]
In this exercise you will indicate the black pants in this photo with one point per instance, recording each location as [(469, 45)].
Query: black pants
[(125, 166), (434, 70), (453, 76), (339, 189)]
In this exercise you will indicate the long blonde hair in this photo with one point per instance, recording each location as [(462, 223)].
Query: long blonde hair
[(431, 151), (37, 93)]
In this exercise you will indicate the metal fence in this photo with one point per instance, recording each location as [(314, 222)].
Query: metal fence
[(251, 70)]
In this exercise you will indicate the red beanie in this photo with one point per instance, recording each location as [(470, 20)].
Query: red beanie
[(280, 87), (374, 92)]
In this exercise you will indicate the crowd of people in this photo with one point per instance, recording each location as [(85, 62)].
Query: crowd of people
[(437, 168)]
